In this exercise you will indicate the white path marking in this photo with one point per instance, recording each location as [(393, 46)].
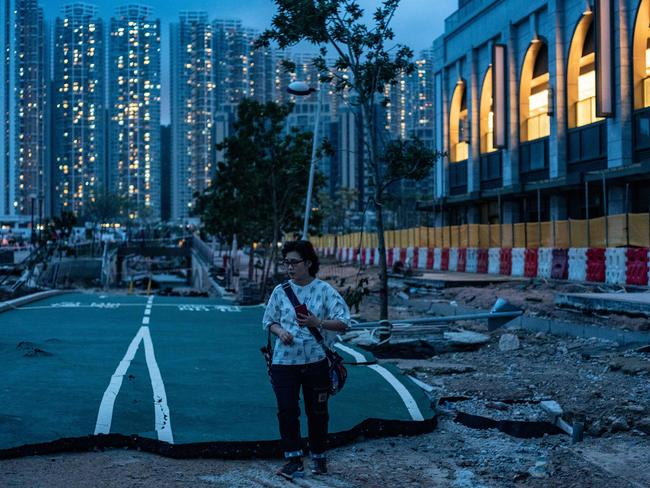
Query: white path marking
[(147, 311), (163, 420), (409, 402), (105, 415), (360, 358)]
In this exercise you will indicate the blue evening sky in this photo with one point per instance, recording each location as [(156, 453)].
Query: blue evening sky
[(416, 24)]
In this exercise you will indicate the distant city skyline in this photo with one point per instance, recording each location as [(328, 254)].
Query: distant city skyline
[(416, 24)]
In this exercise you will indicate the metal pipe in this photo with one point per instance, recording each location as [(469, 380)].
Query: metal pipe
[(437, 319)]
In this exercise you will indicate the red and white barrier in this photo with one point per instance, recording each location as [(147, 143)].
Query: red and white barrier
[(437, 259), (618, 266), (544, 262), (578, 264), (453, 259), (494, 260), (471, 265), (518, 254), (411, 260), (422, 257), (615, 265)]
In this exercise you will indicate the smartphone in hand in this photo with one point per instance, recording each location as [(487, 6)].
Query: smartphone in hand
[(301, 309)]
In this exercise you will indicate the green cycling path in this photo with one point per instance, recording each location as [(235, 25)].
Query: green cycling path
[(168, 371)]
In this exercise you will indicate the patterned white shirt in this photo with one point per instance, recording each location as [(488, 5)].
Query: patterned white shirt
[(323, 301)]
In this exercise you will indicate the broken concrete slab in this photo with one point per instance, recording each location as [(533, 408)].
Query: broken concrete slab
[(466, 338), (630, 365), (433, 367), (627, 303), (508, 342)]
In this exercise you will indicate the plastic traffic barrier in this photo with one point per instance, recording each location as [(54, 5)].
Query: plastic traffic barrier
[(615, 265), (453, 259), (505, 261), (636, 272), (471, 265), (530, 263), (578, 263), (560, 264), (595, 264), (389, 257), (462, 259), (412, 256), (444, 259), (423, 254), (544, 262), (430, 257), (482, 260), (437, 259), (494, 260), (518, 254), (402, 254)]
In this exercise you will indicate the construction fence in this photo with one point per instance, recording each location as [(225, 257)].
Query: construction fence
[(604, 232)]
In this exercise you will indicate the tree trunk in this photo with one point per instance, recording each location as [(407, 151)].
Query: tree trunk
[(383, 268), (368, 123)]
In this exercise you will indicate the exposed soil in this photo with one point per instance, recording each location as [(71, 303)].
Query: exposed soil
[(597, 383)]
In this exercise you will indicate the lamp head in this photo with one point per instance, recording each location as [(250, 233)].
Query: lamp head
[(300, 88)]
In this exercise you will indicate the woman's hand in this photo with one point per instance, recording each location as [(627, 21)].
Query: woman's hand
[(285, 337), (307, 320)]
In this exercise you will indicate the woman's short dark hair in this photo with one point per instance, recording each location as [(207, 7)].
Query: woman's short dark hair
[(306, 251)]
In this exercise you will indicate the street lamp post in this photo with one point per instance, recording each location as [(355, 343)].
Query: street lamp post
[(300, 88)]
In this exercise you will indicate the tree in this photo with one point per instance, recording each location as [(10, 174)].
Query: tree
[(260, 187), (363, 66)]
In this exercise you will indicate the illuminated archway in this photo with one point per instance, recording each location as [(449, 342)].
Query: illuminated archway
[(458, 127), (581, 75), (486, 123), (534, 93), (641, 56)]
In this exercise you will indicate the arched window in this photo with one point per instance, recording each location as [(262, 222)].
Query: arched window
[(535, 93), (641, 56), (458, 127), (581, 75), (487, 115)]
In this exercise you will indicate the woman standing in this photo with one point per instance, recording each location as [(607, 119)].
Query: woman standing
[(299, 361)]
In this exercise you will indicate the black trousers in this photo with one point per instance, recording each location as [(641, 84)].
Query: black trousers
[(314, 380)]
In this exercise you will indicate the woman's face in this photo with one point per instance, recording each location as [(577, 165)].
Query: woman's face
[(297, 268)]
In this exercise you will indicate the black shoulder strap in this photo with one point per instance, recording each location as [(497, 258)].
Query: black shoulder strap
[(286, 286)]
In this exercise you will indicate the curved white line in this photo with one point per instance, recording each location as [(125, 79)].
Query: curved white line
[(105, 414), (163, 420), (409, 402), (360, 358)]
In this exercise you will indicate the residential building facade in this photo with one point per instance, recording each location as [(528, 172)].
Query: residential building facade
[(193, 103), (134, 109), (31, 176), (78, 106)]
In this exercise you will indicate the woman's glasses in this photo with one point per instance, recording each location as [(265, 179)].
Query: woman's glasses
[(291, 262)]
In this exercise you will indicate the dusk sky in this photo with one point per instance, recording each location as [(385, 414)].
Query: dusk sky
[(416, 24)]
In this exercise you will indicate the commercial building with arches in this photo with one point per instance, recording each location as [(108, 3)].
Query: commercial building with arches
[(543, 110)]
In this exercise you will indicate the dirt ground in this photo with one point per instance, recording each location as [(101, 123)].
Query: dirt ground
[(600, 384)]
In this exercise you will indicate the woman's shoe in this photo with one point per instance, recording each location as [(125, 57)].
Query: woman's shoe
[(293, 469)]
